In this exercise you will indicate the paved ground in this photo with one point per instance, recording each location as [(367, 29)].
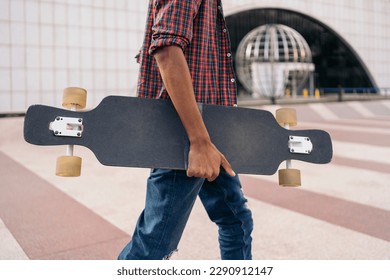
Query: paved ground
[(342, 211)]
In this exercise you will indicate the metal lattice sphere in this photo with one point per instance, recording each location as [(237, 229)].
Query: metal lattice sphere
[(271, 58)]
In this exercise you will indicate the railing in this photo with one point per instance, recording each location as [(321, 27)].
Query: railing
[(356, 90), (345, 93), (338, 94)]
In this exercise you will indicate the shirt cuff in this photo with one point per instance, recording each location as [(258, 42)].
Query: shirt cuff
[(166, 40)]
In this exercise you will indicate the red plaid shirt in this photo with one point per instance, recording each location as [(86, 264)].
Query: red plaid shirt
[(199, 28)]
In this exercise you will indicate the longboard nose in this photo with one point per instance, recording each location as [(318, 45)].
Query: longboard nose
[(30, 121)]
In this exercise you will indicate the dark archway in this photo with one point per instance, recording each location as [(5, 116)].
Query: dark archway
[(337, 65)]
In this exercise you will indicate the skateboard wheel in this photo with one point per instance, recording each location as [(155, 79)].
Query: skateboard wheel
[(286, 116), (289, 177), (68, 166), (74, 97)]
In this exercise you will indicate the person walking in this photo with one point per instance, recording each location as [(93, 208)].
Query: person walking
[(186, 58)]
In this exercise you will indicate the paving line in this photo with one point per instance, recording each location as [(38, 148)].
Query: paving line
[(50, 224), (386, 103), (9, 246), (324, 112), (362, 152), (371, 122), (356, 181), (335, 126), (361, 109), (337, 211)]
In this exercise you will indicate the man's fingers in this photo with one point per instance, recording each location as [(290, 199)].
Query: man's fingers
[(191, 172), (209, 169), (228, 168), (208, 173)]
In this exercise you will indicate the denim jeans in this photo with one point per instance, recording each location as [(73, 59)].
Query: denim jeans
[(169, 200)]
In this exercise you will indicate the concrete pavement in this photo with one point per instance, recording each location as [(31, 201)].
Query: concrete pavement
[(342, 211)]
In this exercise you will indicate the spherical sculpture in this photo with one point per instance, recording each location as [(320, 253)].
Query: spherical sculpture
[(272, 58)]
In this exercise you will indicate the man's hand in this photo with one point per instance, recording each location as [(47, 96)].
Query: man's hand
[(205, 161)]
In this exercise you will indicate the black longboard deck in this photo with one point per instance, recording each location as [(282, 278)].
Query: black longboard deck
[(135, 132)]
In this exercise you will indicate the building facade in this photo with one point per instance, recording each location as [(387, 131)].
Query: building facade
[(47, 45)]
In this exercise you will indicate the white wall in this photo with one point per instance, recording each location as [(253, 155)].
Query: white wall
[(47, 45)]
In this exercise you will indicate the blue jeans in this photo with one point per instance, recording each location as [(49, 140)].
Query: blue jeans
[(169, 200)]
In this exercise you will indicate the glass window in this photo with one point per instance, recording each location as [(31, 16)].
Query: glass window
[(99, 59), (73, 58), (61, 81), (73, 36), (18, 101), (60, 36), (32, 57), (4, 9), (32, 11), (17, 33), (46, 12), (73, 15), (5, 57), (18, 80), (86, 37), (74, 77), (18, 57), (33, 80), (17, 10), (47, 80), (86, 16), (87, 79), (61, 58), (5, 102), (47, 58), (86, 59), (5, 33), (32, 34), (5, 80), (33, 97), (60, 14), (47, 38), (98, 38)]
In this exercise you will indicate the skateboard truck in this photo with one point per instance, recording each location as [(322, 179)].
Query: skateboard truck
[(290, 177), (74, 98), (300, 145), (64, 126)]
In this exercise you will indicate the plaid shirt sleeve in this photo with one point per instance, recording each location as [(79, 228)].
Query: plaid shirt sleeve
[(199, 28), (172, 23)]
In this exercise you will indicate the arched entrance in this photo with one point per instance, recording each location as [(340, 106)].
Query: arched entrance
[(337, 65)]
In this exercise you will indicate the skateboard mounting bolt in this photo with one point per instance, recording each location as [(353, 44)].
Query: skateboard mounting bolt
[(80, 120)]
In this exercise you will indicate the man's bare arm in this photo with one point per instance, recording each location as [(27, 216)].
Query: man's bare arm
[(204, 158)]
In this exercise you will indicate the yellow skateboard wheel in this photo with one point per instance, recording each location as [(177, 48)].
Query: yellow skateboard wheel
[(74, 97), (289, 177), (68, 166), (286, 116)]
